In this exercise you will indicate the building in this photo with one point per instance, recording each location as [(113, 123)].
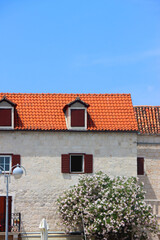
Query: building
[(148, 153), (59, 137)]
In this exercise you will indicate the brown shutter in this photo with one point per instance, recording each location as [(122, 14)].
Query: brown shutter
[(140, 166), (16, 159), (5, 117), (88, 163), (65, 163), (77, 117), (2, 213), (9, 212)]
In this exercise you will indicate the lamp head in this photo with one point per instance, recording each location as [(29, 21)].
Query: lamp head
[(0, 172), (17, 172)]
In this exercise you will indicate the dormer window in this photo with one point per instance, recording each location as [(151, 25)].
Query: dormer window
[(76, 115), (6, 114)]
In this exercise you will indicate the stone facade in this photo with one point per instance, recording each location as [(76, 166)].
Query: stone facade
[(149, 148), (35, 194)]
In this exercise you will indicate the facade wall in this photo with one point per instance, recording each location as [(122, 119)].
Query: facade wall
[(149, 148), (35, 194)]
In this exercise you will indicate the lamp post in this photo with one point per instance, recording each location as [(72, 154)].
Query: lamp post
[(17, 173)]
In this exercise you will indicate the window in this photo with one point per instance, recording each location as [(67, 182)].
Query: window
[(8, 160), (77, 163), (7, 109), (140, 166), (76, 115), (5, 163), (6, 118)]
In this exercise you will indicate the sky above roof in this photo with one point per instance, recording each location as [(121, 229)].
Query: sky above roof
[(81, 47)]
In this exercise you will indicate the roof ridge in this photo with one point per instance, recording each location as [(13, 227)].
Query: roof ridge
[(68, 93), (146, 106)]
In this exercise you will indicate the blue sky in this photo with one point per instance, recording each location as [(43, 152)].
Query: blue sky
[(82, 46)]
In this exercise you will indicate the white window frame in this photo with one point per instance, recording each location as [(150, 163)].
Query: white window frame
[(85, 118), (12, 119), (82, 162), (9, 162)]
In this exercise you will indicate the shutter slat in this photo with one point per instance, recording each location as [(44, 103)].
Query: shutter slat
[(65, 163), (140, 166), (88, 163)]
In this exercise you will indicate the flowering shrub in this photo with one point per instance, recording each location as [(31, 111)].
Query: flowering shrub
[(109, 208)]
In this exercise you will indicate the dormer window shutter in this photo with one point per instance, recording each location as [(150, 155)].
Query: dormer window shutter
[(77, 117), (5, 117), (65, 163), (88, 163)]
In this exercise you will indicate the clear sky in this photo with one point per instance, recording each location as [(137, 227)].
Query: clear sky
[(81, 46)]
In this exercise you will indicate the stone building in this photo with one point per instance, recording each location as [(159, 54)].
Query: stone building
[(59, 137), (148, 153)]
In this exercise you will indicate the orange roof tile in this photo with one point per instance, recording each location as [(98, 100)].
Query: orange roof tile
[(106, 112), (148, 119)]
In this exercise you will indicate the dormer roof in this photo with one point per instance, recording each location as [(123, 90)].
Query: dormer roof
[(75, 101), (4, 98)]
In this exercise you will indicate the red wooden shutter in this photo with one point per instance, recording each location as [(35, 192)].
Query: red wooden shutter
[(9, 212), (140, 166), (5, 117), (2, 213), (77, 117), (65, 163), (88, 163), (16, 159)]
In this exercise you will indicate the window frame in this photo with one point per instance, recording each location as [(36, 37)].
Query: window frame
[(85, 118), (77, 154), (10, 162), (12, 118)]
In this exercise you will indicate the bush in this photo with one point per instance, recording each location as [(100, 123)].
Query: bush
[(111, 208)]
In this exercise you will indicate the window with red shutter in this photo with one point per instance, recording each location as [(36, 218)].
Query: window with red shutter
[(7, 161), (77, 163), (140, 166)]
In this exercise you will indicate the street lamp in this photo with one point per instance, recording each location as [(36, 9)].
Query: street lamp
[(17, 173)]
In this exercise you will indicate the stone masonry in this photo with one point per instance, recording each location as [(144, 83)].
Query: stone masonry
[(35, 194)]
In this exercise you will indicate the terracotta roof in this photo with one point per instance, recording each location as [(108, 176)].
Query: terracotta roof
[(148, 119), (106, 112)]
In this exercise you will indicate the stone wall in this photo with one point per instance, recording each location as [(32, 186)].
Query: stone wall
[(149, 148), (35, 194)]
